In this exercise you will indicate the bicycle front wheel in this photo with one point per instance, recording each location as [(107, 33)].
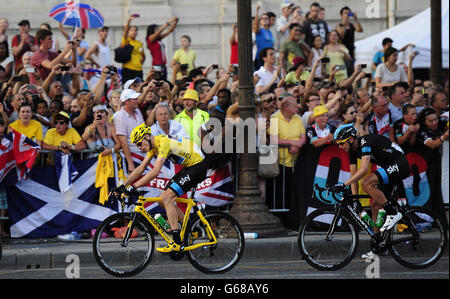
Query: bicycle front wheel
[(223, 255), (121, 249), (327, 243), (419, 239)]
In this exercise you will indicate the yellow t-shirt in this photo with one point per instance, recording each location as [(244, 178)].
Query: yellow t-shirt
[(32, 131), (138, 50), (289, 131), (185, 153), (182, 57), (54, 138)]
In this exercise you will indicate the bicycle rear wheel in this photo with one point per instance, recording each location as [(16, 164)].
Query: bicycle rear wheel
[(223, 255), (422, 239), (324, 251), (120, 251)]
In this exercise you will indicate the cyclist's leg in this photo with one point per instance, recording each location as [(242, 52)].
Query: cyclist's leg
[(168, 198)]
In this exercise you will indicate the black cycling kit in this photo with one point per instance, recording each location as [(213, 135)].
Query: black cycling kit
[(394, 166)]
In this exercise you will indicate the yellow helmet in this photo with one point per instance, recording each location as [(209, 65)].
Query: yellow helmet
[(139, 132), (319, 110), (191, 94)]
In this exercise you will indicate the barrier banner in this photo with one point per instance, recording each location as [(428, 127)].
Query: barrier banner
[(328, 166), (38, 209)]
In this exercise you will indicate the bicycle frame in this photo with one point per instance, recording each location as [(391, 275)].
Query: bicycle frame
[(139, 208), (345, 204)]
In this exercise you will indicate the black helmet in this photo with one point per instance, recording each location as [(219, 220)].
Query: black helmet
[(344, 132)]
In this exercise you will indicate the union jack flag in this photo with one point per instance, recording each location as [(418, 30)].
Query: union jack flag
[(19, 151), (216, 190)]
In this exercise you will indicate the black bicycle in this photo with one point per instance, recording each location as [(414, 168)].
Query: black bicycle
[(328, 237)]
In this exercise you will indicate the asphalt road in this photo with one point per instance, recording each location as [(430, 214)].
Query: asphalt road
[(387, 268)]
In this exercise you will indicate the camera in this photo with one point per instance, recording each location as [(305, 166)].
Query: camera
[(99, 149), (65, 68), (184, 67), (112, 69), (99, 116), (325, 60), (340, 67), (157, 68), (159, 83)]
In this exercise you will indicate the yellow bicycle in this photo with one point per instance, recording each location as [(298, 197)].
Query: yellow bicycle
[(213, 241)]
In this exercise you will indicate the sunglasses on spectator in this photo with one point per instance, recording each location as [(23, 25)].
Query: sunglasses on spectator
[(269, 100), (60, 122)]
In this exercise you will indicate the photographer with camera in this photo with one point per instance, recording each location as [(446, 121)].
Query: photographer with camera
[(81, 119), (100, 136)]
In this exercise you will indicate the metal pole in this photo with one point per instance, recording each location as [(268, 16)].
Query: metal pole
[(436, 41), (249, 207)]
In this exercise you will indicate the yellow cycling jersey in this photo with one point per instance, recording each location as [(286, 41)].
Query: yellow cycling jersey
[(185, 153)]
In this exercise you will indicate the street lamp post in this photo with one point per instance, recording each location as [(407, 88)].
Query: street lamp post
[(249, 208), (436, 41)]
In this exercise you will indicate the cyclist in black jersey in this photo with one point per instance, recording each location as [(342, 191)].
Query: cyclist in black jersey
[(393, 167)]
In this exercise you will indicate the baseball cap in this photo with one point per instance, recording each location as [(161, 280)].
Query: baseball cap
[(129, 94), (296, 62), (64, 114), (24, 22), (324, 84), (131, 81), (286, 4)]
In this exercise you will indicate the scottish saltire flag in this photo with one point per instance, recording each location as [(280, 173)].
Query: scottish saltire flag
[(38, 209), (17, 151), (65, 171), (216, 190)]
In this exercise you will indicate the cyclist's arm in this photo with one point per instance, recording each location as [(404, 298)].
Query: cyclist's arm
[(353, 169), (152, 174), (364, 167), (136, 173)]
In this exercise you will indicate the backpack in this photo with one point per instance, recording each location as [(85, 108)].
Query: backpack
[(123, 54)]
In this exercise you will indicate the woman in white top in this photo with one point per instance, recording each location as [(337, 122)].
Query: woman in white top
[(315, 54), (389, 72)]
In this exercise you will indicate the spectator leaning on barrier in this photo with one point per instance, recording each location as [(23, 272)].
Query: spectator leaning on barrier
[(100, 136), (290, 139), (26, 125), (320, 133), (61, 137), (125, 121)]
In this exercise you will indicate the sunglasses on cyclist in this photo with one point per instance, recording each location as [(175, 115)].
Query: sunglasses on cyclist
[(342, 141)]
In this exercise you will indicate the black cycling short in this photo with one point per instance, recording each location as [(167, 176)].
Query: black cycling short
[(188, 178), (394, 173)]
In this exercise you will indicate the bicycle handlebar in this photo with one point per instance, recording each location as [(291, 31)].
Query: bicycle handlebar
[(321, 190)]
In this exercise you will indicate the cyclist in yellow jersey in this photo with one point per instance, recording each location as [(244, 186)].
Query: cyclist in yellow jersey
[(183, 152)]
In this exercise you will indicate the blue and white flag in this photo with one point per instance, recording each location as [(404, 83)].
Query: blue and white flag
[(38, 209), (65, 171)]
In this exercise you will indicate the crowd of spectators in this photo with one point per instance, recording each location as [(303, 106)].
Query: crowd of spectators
[(68, 96)]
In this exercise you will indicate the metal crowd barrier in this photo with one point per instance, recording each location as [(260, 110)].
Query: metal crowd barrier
[(274, 208)]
